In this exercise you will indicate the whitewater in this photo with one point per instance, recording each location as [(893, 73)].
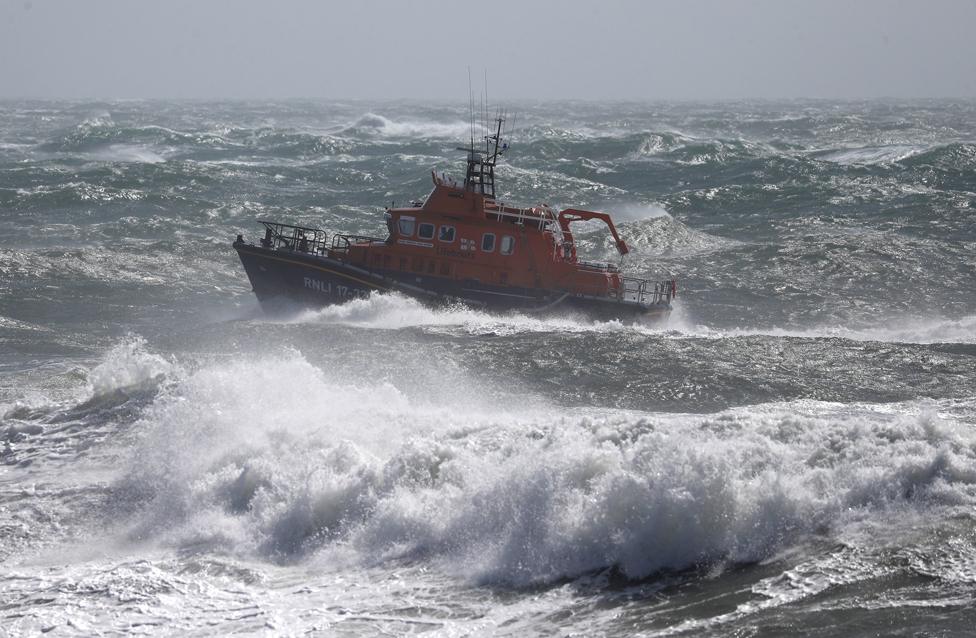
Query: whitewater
[(793, 452)]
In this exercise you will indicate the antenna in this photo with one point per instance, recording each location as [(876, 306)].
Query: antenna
[(511, 131), (480, 173), (485, 110), (470, 108), (486, 86)]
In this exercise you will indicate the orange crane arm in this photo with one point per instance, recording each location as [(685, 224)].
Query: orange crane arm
[(571, 215)]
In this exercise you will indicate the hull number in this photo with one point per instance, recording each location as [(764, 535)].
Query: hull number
[(338, 290)]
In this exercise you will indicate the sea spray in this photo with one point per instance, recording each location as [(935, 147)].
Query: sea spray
[(128, 364), (296, 462)]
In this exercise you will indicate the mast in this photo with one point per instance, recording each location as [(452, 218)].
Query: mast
[(480, 174)]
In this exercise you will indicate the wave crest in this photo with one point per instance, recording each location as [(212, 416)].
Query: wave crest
[(277, 458)]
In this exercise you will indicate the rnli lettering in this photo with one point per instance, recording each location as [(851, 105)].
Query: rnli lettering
[(343, 292), (319, 286)]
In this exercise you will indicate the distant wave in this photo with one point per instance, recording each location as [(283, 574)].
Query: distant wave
[(128, 153), (957, 157), (872, 154), (373, 124), (904, 330)]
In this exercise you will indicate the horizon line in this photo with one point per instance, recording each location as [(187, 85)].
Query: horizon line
[(444, 100)]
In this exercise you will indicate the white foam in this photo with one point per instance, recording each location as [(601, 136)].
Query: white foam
[(561, 181), (898, 330), (636, 211), (394, 311), (133, 153), (873, 154), (101, 120), (12, 146), (424, 129), (275, 457), (10, 323), (656, 143), (128, 364), (917, 330)]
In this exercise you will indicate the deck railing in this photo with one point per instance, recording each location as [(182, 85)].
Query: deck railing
[(523, 216), (646, 291), (635, 288), (599, 266), (298, 238)]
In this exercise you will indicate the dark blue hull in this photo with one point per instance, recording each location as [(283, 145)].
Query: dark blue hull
[(316, 280)]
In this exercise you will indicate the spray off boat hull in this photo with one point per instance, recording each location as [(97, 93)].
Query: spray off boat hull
[(314, 280)]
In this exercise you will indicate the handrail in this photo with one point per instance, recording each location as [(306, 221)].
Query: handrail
[(541, 219), (341, 242), (297, 238), (639, 290), (599, 266)]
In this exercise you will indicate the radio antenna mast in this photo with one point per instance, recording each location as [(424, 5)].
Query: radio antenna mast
[(470, 108), (484, 112)]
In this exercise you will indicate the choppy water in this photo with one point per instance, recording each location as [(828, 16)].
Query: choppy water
[(794, 453)]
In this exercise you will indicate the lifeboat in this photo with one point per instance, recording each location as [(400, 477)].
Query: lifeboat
[(457, 245)]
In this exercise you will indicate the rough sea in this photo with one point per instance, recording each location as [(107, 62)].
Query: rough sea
[(793, 453)]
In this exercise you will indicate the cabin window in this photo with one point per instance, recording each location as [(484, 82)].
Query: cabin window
[(508, 245), (425, 231), (406, 226), (488, 242), (446, 234)]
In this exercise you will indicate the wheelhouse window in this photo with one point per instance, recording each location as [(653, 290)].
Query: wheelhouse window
[(406, 226), (488, 242), (508, 245), (425, 231), (446, 234)]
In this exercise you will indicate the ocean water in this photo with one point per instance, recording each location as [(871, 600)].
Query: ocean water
[(793, 453)]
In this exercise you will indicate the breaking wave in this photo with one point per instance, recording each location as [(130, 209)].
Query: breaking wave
[(276, 458), (128, 364), (872, 154), (373, 124)]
